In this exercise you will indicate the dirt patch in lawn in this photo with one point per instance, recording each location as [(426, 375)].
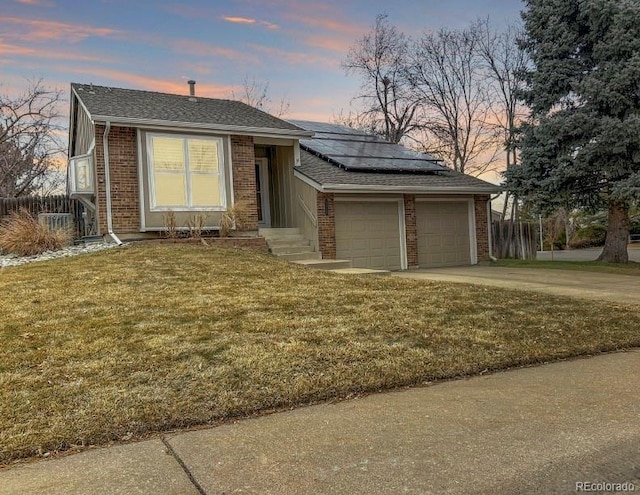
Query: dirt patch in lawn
[(148, 338)]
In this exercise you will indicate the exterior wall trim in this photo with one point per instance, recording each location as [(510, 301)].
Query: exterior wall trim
[(141, 185), (226, 129)]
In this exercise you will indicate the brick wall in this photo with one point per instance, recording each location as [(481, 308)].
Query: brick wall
[(244, 177), (123, 172), (411, 230), (482, 227), (326, 225), (123, 168)]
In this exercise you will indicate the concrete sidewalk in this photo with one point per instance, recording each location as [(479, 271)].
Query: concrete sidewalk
[(574, 283), (533, 430)]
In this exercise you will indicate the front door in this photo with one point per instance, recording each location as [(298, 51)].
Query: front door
[(262, 192)]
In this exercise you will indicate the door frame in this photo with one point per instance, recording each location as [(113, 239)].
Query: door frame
[(263, 172)]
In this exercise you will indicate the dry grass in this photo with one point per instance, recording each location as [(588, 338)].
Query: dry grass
[(23, 235), (631, 268), (147, 338)]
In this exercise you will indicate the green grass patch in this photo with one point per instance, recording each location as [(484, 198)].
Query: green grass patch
[(128, 342), (631, 268)]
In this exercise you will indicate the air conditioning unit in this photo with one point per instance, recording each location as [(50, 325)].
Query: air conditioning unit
[(57, 221)]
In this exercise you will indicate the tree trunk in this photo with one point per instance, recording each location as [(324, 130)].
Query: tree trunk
[(615, 247)]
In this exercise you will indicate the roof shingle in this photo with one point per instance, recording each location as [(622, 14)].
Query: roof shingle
[(130, 104), (328, 176)]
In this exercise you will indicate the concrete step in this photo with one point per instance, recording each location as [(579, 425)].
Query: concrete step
[(288, 241), (325, 264), (301, 256), (295, 248), (269, 232)]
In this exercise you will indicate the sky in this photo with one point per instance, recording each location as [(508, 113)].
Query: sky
[(296, 46)]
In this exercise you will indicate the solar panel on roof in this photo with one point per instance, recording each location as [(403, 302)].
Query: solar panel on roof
[(355, 150)]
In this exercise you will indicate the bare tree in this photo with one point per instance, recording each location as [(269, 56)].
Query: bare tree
[(447, 74), (256, 94), (361, 121), (30, 147), (505, 63), (380, 58)]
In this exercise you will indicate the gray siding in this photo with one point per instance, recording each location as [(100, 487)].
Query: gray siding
[(85, 132), (305, 198), (281, 187)]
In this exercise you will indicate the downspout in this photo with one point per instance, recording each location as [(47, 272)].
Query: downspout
[(490, 226), (107, 183)]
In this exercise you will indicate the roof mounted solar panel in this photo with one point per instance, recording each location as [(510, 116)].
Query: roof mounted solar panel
[(355, 150)]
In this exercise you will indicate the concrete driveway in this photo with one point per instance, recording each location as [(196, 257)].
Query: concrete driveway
[(588, 285), (589, 254)]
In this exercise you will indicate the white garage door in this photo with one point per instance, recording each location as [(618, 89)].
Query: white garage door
[(368, 234), (443, 233)]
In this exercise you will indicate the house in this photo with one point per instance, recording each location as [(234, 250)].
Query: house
[(136, 155)]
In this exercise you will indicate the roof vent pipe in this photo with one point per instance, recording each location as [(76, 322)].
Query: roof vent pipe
[(192, 87)]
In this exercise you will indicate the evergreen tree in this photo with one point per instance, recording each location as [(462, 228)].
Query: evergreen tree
[(582, 144)]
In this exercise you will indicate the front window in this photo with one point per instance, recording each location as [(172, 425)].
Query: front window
[(186, 172)]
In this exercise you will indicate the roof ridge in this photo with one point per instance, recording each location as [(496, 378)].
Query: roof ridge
[(159, 93)]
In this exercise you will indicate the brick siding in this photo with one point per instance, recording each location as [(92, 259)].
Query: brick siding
[(123, 169), (411, 230), (326, 225), (123, 172), (244, 178), (482, 227)]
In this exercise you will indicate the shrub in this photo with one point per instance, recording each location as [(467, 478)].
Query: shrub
[(589, 236), (170, 225), (23, 235), (234, 217)]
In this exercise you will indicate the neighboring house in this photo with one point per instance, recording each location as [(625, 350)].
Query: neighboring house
[(136, 155)]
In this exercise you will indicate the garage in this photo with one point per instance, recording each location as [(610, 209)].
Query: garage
[(443, 233), (368, 233)]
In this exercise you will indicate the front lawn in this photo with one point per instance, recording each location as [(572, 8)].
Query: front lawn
[(631, 268), (124, 343)]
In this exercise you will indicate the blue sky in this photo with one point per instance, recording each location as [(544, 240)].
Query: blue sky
[(295, 45)]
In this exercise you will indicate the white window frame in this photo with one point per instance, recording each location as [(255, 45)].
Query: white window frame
[(73, 189), (186, 175)]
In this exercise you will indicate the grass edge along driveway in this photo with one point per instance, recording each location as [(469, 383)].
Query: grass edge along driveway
[(121, 344)]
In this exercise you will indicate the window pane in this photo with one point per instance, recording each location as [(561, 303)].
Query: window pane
[(203, 155), (205, 190), (170, 190), (84, 177), (168, 154)]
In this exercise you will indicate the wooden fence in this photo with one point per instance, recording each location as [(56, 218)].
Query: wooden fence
[(516, 240), (48, 204)]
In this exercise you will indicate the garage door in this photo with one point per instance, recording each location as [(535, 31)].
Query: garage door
[(368, 234), (443, 233)]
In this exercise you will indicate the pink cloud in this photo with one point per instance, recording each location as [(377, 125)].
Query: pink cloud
[(239, 20), (333, 44), (326, 23), (201, 49), (23, 51), (138, 81), (41, 3), (38, 30), (295, 58), (249, 21)]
